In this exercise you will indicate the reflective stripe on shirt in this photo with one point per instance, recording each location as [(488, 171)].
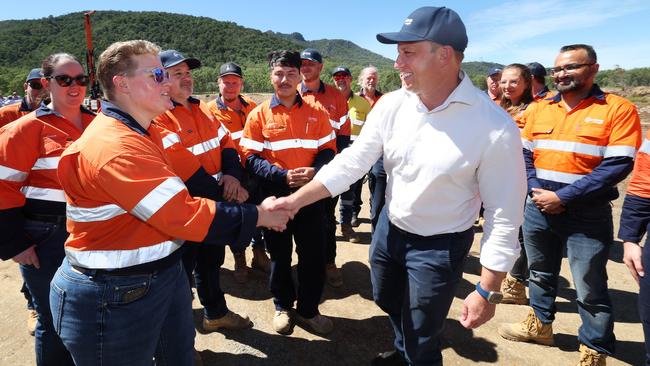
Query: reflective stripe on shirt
[(12, 175), (46, 163), (93, 214), (554, 176), (45, 194), (112, 259), (157, 198)]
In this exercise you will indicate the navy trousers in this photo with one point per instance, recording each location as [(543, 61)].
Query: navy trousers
[(414, 279)]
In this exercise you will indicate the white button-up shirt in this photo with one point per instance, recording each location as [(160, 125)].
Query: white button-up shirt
[(440, 165)]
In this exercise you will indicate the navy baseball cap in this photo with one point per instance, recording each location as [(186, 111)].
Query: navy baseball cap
[(341, 69), (437, 24), (311, 54), (537, 69), (230, 68), (34, 74), (170, 58), (494, 71)]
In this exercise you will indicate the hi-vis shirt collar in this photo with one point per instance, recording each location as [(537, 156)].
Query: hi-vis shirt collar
[(304, 89), (24, 106), (595, 92), (111, 110), (542, 93), (44, 110), (191, 99), (275, 101), (465, 93), (222, 105), (378, 94)]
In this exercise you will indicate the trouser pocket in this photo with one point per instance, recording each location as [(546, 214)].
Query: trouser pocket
[(57, 301)]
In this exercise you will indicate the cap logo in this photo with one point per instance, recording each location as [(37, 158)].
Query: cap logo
[(408, 21), (176, 54)]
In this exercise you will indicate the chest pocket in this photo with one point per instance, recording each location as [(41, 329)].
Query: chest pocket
[(588, 131), (53, 144), (273, 131), (542, 128)]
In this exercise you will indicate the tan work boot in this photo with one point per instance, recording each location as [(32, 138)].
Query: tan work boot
[(349, 234), (32, 319), (514, 292), (589, 357), (229, 321), (333, 275), (282, 322), (530, 330), (319, 324), (241, 270), (261, 260)]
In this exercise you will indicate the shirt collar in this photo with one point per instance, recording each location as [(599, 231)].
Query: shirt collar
[(304, 89), (595, 92), (222, 105), (191, 99), (44, 110), (542, 93), (275, 101), (24, 106), (378, 94), (111, 110), (464, 93)]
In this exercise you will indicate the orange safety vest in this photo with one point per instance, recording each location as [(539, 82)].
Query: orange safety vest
[(334, 103), (232, 120)]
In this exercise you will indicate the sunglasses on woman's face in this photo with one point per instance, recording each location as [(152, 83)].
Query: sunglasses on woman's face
[(35, 84), (159, 75), (66, 80)]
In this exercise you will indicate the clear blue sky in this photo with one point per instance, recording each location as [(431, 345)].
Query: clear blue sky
[(499, 31)]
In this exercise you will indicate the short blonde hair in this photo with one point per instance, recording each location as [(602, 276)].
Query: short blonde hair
[(117, 59)]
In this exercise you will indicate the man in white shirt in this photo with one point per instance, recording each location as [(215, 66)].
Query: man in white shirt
[(446, 148)]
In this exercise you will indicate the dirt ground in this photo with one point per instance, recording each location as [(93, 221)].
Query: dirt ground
[(361, 328)]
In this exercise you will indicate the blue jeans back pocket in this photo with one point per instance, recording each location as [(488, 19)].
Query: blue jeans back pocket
[(57, 300)]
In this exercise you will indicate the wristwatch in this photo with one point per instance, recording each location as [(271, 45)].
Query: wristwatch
[(493, 297)]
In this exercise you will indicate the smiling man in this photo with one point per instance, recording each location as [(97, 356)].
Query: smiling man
[(577, 145), (446, 148)]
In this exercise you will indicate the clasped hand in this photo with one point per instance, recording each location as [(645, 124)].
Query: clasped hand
[(547, 201), (274, 214)]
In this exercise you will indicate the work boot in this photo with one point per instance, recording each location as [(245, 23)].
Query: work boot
[(282, 322), (261, 260), (514, 291), (32, 319), (589, 357), (355, 220), (241, 270), (319, 324), (198, 361), (333, 275), (348, 233), (530, 330), (229, 321), (389, 358)]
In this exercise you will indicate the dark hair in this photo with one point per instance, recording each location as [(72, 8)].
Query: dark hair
[(591, 53), (527, 77), (52, 60), (540, 79), (284, 58)]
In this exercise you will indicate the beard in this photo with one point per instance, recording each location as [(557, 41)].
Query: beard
[(571, 86)]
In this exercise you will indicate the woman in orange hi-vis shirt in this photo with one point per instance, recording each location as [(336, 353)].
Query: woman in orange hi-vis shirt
[(121, 296), (32, 209)]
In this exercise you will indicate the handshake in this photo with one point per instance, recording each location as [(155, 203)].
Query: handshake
[(274, 213)]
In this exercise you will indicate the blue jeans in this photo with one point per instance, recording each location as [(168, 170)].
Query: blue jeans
[(49, 239), (350, 202), (644, 300), (587, 234), (414, 279), (377, 186), (124, 320), (205, 261)]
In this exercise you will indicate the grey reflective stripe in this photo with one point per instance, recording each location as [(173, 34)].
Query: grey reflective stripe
[(621, 150), (218, 176), (170, 140), (335, 125), (326, 139), (223, 131), (554, 176), (645, 146), (45, 194), (157, 198), (46, 163), (290, 144), (528, 145), (12, 175), (236, 135), (114, 259), (570, 146), (204, 146), (251, 144), (93, 214), (357, 122)]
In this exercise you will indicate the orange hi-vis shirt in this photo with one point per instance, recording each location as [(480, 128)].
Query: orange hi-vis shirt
[(12, 112), (334, 103), (640, 183), (125, 205), (30, 148), (288, 138), (232, 120), (582, 151), (543, 94), (200, 136)]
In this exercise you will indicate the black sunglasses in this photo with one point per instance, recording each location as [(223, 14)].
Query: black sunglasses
[(34, 84), (66, 80)]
